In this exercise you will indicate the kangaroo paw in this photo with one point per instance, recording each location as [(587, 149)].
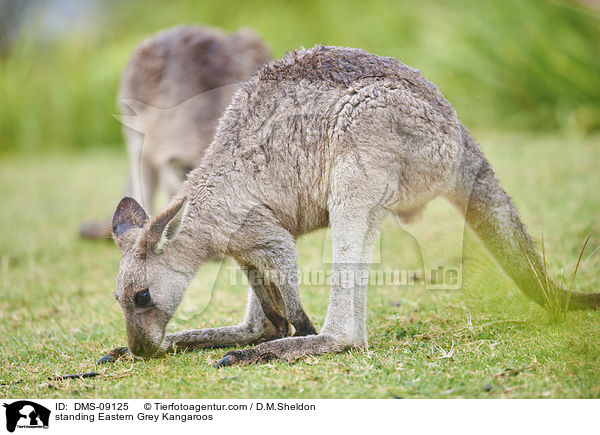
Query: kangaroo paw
[(305, 330), (114, 355)]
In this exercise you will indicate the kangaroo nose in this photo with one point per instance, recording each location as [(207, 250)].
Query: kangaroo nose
[(140, 349), (137, 349)]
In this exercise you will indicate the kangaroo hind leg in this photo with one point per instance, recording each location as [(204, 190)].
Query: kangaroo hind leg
[(356, 210)]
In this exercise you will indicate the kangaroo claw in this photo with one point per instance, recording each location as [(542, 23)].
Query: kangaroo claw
[(114, 355), (247, 356)]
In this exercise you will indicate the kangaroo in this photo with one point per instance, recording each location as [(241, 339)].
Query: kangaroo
[(177, 85), (326, 136)]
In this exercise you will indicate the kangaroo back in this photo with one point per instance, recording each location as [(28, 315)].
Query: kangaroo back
[(490, 212), (178, 83)]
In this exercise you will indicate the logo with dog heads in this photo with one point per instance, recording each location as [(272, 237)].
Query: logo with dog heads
[(26, 414)]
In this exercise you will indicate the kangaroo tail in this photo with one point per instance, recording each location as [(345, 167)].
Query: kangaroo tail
[(490, 212)]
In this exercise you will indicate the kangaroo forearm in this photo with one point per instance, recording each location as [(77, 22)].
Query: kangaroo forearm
[(215, 337), (204, 338)]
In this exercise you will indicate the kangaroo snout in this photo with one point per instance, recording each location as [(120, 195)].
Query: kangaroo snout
[(144, 340), (144, 348)]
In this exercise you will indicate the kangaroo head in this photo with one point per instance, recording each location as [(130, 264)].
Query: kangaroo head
[(149, 289)]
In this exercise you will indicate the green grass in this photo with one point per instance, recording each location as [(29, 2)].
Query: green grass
[(57, 313)]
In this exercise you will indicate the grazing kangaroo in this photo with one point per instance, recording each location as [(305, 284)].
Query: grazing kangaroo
[(177, 83), (326, 136)]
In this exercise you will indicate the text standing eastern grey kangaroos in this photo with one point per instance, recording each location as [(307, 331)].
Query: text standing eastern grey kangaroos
[(326, 136)]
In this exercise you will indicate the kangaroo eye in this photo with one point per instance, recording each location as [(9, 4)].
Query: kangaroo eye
[(142, 299)]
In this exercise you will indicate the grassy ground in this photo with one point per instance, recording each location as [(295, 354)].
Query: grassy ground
[(57, 313)]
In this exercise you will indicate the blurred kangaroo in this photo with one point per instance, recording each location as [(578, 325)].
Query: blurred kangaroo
[(175, 87), (326, 136)]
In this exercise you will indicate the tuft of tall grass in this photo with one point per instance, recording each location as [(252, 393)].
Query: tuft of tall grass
[(555, 295)]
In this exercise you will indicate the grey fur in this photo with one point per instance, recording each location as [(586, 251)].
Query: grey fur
[(175, 87), (326, 136)]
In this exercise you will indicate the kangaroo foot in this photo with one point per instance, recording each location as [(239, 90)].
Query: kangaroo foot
[(114, 355), (247, 356), (289, 349)]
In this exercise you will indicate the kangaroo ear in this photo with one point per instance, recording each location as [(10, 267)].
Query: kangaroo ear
[(164, 227), (129, 214)]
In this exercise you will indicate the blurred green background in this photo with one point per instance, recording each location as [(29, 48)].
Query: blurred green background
[(504, 64)]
